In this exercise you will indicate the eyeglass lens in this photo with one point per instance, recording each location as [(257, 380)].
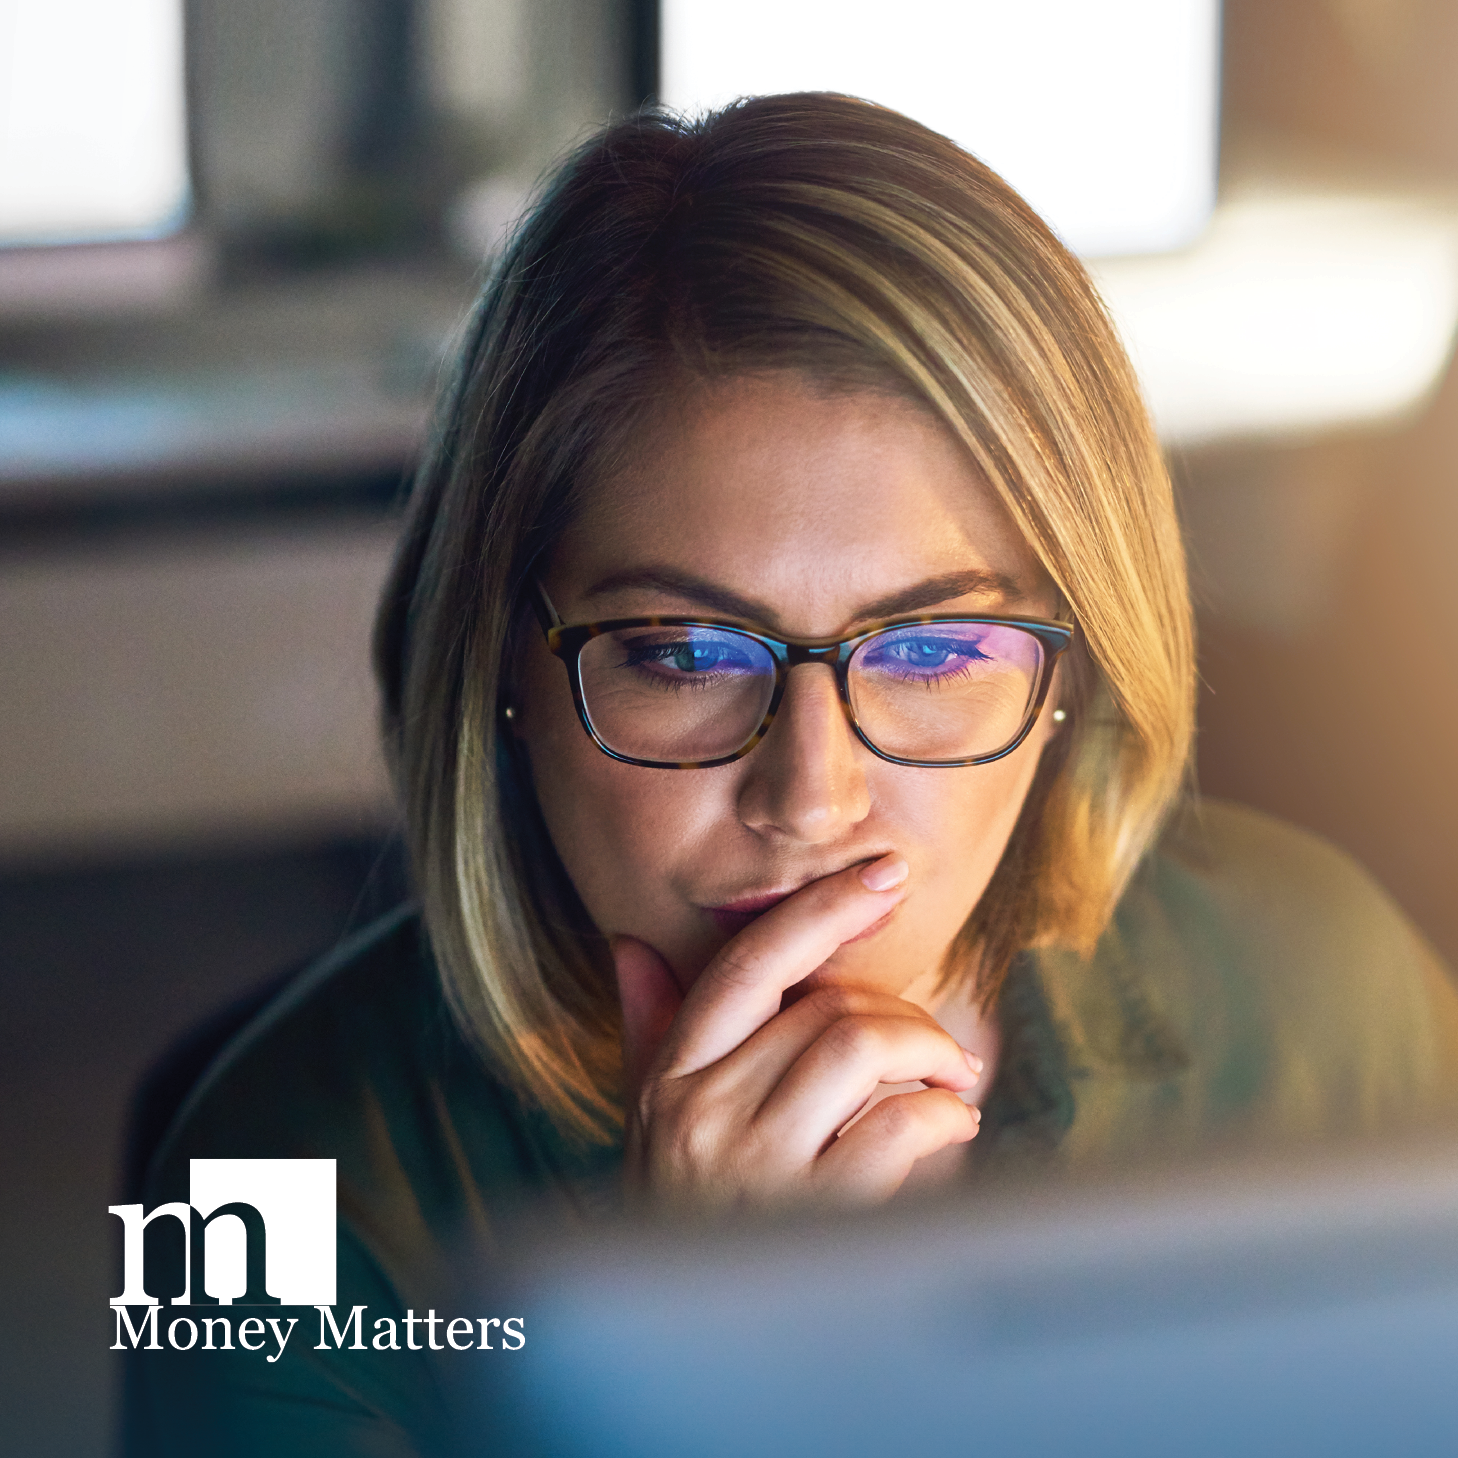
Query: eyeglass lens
[(935, 691)]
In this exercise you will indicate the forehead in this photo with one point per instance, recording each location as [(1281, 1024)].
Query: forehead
[(805, 499)]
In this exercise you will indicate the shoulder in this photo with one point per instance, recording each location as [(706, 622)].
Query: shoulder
[(1257, 884), (1266, 862), (360, 1061), (358, 1016), (1261, 979), (1264, 900)]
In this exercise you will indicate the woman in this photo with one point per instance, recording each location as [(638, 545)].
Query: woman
[(788, 675)]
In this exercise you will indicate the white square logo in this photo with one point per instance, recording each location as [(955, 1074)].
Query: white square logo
[(254, 1231), (295, 1197)]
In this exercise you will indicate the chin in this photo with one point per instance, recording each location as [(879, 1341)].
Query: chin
[(867, 962)]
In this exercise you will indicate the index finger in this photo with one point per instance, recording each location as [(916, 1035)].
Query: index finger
[(740, 990)]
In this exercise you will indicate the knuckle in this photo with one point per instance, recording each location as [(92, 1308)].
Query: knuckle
[(928, 1112), (945, 1105), (739, 967), (834, 1002), (898, 1118), (690, 1143), (755, 1152), (856, 1037), (693, 1145)]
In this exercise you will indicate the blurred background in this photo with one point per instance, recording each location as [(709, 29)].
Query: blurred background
[(236, 239)]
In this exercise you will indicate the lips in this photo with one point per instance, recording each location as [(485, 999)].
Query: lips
[(738, 914), (734, 916)]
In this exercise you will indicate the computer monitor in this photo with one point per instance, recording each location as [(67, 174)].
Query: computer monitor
[(1104, 116), (1241, 1309), (93, 129), (95, 184)]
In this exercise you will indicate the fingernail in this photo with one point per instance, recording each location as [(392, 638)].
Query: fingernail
[(882, 875), (973, 1061)]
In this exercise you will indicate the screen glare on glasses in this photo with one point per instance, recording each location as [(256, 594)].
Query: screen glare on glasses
[(684, 693)]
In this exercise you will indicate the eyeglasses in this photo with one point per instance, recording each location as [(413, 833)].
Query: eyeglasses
[(692, 693)]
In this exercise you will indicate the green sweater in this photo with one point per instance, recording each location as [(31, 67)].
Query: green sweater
[(1255, 985)]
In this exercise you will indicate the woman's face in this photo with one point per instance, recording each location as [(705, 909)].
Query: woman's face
[(807, 513)]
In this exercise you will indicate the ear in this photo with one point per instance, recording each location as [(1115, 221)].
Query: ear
[(1054, 706), (510, 699)]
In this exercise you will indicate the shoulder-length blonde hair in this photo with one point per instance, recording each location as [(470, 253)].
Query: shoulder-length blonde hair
[(814, 233)]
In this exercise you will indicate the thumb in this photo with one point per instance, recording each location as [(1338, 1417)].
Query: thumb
[(650, 999)]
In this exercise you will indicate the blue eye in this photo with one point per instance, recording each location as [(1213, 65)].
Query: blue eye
[(924, 656), (686, 657), (696, 656)]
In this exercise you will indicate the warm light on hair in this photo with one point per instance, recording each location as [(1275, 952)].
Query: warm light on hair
[(828, 236)]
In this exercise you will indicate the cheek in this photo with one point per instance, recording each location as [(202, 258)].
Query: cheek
[(630, 840), (620, 830), (953, 826), (961, 817)]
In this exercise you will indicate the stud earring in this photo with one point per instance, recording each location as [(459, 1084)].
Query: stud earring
[(1058, 715), (509, 712)]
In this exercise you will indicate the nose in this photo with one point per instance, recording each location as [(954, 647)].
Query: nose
[(805, 781)]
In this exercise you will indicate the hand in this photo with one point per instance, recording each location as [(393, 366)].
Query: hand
[(733, 1101)]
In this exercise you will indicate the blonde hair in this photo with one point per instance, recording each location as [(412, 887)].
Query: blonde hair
[(814, 233)]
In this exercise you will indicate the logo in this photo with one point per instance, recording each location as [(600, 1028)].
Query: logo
[(259, 1232)]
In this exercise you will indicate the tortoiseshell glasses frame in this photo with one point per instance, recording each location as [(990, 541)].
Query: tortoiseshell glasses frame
[(567, 642)]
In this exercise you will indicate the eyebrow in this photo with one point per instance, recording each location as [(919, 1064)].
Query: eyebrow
[(929, 593)]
